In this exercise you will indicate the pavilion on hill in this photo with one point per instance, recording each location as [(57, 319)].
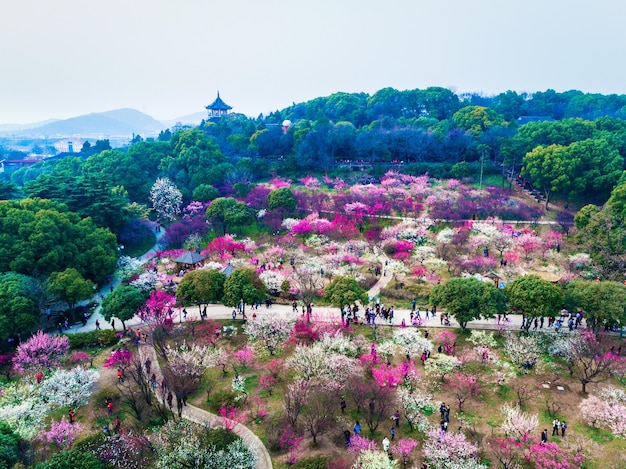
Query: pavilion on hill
[(218, 108)]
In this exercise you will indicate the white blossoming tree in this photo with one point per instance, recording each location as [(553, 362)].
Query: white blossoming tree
[(68, 388), (516, 423), (272, 330), (411, 342), (166, 198)]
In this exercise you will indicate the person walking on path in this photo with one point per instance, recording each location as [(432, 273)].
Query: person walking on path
[(72, 416), (386, 445), (110, 407), (396, 418), (97, 324), (343, 405)]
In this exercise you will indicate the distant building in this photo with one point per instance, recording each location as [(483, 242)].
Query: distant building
[(526, 119), (218, 108), (180, 126)]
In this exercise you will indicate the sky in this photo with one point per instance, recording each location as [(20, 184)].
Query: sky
[(63, 58)]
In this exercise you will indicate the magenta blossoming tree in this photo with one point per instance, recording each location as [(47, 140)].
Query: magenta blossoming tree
[(41, 351), (403, 449), (62, 433), (359, 443)]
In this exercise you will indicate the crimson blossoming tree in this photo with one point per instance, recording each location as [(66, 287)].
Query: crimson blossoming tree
[(463, 387), (39, 352)]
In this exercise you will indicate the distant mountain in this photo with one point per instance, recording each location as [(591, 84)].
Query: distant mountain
[(120, 122), (15, 127), (193, 119)]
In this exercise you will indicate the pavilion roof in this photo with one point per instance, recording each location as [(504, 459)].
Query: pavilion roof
[(189, 258), (218, 104)]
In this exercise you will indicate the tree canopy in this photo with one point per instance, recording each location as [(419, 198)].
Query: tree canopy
[(243, 284), (123, 303), (200, 287), (18, 309), (343, 291), (534, 297), (38, 237), (467, 299)]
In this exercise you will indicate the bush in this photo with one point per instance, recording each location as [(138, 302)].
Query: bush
[(72, 459), (224, 397), (315, 462), (221, 438), (102, 338)]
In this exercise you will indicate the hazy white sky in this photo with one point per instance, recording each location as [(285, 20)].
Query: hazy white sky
[(62, 58)]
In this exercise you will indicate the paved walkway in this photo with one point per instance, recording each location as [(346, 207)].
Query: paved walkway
[(202, 417)]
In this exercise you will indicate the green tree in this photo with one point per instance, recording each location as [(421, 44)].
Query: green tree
[(281, 199), (9, 446), (552, 169), (196, 159), (219, 209), (343, 291), (240, 215), (72, 459), (201, 287), (71, 287), (467, 299), (477, 119), (123, 303), (601, 233), (18, 310), (534, 297), (101, 145), (8, 190), (461, 170), (38, 237), (243, 284), (205, 193), (603, 301)]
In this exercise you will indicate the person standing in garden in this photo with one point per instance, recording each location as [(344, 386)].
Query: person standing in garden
[(556, 425), (396, 418), (357, 428)]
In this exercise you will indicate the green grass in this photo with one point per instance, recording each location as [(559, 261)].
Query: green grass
[(598, 435)]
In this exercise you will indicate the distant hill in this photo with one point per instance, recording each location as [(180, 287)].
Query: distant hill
[(120, 122), (193, 119), (16, 127)]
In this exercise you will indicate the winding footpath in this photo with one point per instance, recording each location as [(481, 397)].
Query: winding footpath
[(202, 417)]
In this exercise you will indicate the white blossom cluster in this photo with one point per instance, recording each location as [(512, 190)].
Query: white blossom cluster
[(516, 422)]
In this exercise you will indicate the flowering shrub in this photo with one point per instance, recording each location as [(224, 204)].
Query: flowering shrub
[(445, 449), (62, 433), (606, 410), (359, 443), (271, 279), (40, 351), (403, 448), (517, 423), (68, 388)]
